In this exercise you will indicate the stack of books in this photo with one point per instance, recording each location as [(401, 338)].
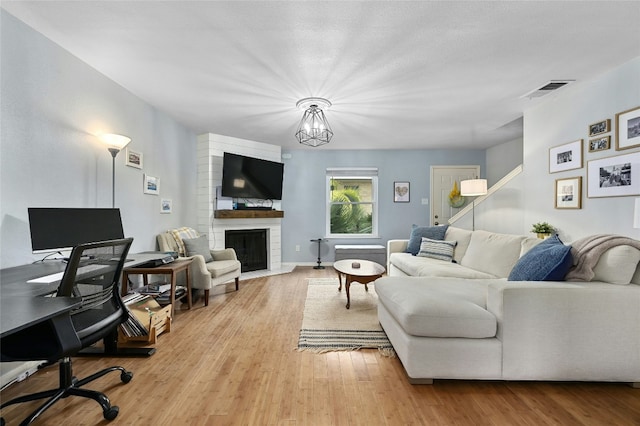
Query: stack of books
[(141, 309)]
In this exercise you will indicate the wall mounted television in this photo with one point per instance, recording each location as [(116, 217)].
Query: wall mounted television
[(248, 177), (56, 229)]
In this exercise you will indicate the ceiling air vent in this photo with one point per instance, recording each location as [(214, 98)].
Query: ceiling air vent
[(546, 88)]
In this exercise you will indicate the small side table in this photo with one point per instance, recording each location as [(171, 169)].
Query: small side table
[(170, 269)]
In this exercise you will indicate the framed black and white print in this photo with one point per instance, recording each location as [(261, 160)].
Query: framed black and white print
[(565, 157), (133, 158), (401, 192), (600, 144), (600, 127), (628, 129), (617, 176), (569, 193)]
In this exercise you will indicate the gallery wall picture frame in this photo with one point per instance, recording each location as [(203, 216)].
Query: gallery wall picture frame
[(569, 193), (600, 127), (564, 157), (401, 192), (617, 176), (628, 129), (133, 158), (600, 144), (151, 185), (166, 206)]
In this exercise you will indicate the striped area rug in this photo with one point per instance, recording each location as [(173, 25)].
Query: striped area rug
[(328, 326)]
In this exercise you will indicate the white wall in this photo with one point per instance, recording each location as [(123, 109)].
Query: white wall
[(562, 118), (52, 106), (501, 159)]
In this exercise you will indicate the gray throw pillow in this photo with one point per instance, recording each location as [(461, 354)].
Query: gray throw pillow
[(200, 245)]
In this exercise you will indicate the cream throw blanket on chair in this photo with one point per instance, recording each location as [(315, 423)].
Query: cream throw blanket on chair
[(587, 251)]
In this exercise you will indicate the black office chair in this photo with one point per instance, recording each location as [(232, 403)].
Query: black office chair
[(92, 274)]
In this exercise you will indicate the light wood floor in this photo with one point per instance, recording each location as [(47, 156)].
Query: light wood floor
[(233, 363)]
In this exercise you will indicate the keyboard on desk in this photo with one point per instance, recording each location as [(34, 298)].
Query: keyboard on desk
[(57, 277)]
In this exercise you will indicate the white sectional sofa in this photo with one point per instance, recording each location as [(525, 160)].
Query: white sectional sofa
[(466, 320)]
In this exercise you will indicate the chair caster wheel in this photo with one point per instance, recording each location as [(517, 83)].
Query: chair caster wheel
[(126, 376), (111, 413)]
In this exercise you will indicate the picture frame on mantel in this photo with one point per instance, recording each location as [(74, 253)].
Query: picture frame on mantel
[(569, 193), (628, 129), (401, 193), (564, 157), (617, 176)]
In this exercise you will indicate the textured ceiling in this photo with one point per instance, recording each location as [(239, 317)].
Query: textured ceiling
[(401, 75)]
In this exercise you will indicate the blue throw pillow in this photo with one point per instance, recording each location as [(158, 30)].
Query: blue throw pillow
[(418, 232), (548, 261)]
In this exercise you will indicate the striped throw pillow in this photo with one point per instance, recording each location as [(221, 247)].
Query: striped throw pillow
[(437, 249), (180, 234)]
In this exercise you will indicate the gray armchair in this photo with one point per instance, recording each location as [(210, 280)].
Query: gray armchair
[(204, 275)]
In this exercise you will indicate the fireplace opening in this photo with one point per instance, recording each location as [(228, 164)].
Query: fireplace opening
[(250, 246)]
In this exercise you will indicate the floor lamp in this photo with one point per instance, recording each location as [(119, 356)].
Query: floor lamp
[(473, 188), (115, 143)]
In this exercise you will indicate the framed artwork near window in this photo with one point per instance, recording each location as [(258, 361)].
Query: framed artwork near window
[(617, 176), (401, 192), (151, 185), (565, 157), (628, 129), (569, 193)]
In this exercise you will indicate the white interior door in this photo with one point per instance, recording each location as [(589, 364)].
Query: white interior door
[(442, 179)]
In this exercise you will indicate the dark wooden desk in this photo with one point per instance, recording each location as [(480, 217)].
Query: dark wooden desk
[(24, 304), (172, 269), (21, 312)]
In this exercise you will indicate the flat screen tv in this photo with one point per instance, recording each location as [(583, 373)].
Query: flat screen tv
[(248, 177), (55, 229)]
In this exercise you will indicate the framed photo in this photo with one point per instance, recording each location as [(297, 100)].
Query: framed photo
[(166, 205), (400, 192), (603, 126), (565, 157), (628, 129), (569, 193), (614, 176), (133, 159), (600, 144), (151, 185)]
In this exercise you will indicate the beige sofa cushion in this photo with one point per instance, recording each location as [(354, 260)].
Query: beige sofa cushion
[(439, 307), (617, 265), (462, 237), (426, 267), (493, 253)]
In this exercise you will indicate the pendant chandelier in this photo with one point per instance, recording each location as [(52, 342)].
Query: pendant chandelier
[(314, 130)]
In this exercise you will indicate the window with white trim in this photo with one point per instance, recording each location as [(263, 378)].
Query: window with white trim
[(352, 202)]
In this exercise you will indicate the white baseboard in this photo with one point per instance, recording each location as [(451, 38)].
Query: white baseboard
[(11, 372)]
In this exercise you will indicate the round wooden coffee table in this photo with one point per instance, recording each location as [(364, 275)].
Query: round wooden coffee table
[(366, 273)]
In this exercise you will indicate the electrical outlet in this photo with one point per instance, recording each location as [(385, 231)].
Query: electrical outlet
[(297, 247)]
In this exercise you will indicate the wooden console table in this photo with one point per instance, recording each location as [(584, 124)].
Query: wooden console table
[(172, 269)]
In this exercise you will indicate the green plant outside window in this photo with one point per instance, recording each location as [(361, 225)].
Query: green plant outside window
[(351, 206)]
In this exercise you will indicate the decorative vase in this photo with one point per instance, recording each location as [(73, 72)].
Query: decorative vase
[(543, 235)]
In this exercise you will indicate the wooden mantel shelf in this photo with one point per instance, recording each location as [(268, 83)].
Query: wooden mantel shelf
[(247, 214)]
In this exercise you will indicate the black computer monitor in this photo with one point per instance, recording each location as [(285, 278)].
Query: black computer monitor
[(56, 229)]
